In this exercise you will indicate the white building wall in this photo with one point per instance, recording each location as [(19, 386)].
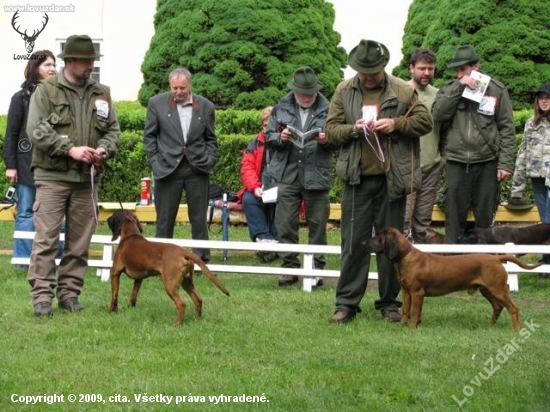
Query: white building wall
[(125, 28)]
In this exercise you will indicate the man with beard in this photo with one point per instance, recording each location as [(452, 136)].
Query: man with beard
[(418, 214), (73, 129), (376, 120)]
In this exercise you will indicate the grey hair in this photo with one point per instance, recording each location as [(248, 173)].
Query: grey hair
[(180, 72)]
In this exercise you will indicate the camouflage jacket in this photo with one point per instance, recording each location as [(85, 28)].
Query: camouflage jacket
[(533, 158)]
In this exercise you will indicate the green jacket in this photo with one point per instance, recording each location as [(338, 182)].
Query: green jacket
[(474, 136), (56, 124), (397, 98)]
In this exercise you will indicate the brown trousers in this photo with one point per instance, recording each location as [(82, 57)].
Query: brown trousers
[(55, 201)]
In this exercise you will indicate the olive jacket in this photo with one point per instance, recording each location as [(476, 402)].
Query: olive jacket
[(399, 101), (476, 132)]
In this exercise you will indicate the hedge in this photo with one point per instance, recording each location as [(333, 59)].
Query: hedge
[(235, 128)]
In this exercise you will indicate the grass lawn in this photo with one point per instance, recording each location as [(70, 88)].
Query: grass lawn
[(273, 342)]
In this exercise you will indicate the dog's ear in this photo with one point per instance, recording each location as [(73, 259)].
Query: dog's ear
[(391, 245), (114, 223)]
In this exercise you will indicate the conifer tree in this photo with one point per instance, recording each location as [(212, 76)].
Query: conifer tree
[(242, 53), (512, 38)]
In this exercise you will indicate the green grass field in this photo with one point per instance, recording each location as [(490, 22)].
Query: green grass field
[(271, 344)]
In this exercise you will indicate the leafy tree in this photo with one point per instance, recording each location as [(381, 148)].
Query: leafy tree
[(512, 38), (242, 53)]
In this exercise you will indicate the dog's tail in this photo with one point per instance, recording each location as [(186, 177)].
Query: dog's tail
[(192, 256), (517, 261)]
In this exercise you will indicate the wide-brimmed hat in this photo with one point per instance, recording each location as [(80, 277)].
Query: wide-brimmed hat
[(369, 57), (518, 203), (304, 81), (464, 55), (79, 47)]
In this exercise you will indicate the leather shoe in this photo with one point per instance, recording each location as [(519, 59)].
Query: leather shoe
[(342, 316), (71, 305), (392, 315), (42, 309), (287, 280)]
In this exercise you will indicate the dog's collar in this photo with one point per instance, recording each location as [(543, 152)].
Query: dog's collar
[(405, 252)]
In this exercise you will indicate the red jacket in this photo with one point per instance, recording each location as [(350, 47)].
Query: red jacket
[(252, 167), (252, 164)]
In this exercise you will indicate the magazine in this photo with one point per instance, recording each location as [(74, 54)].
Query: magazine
[(482, 81), (300, 138)]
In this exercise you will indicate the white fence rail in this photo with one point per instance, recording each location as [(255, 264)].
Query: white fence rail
[(309, 274)]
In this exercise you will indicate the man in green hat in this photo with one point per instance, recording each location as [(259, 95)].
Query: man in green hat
[(478, 144), (302, 171), (376, 120), (74, 130)]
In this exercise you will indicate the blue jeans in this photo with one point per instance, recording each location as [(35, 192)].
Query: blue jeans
[(260, 217), (24, 221), (542, 200)]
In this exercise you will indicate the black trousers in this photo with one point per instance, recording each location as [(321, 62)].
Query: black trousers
[(364, 207), (168, 191), (470, 186)]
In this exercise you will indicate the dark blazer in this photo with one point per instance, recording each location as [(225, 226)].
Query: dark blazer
[(17, 146), (163, 137)]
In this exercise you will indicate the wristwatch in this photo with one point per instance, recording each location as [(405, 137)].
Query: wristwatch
[(354, 135)]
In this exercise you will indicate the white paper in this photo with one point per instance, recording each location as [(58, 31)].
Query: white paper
[(370, 112), (270, 195), (482, 81)]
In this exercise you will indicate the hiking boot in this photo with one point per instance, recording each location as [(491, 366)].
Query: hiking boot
[(287, 280), (71, 305), (43, 309), (342, 316), (392, 315)]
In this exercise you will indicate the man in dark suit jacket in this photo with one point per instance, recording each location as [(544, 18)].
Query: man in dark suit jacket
[(181, 149)]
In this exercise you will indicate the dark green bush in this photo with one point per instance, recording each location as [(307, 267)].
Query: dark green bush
[(131, 115)]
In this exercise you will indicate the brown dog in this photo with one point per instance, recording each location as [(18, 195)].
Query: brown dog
[(140, 258), (528, 235), (426, 274)]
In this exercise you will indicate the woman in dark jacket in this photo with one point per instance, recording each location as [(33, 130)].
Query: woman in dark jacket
[(18, 148)]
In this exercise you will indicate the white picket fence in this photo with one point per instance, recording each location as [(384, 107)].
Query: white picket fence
[(310, 276)]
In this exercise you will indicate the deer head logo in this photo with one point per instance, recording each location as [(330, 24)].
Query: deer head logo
[(29, 40)]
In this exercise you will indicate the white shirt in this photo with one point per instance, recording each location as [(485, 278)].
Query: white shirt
[(185, 111)]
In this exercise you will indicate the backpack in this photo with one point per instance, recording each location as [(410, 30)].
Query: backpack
[(215, 192)]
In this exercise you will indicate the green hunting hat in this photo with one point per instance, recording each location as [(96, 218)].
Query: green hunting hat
[(464, 55), (304, 81), (369, 57), (518, 203), (79, 47)]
